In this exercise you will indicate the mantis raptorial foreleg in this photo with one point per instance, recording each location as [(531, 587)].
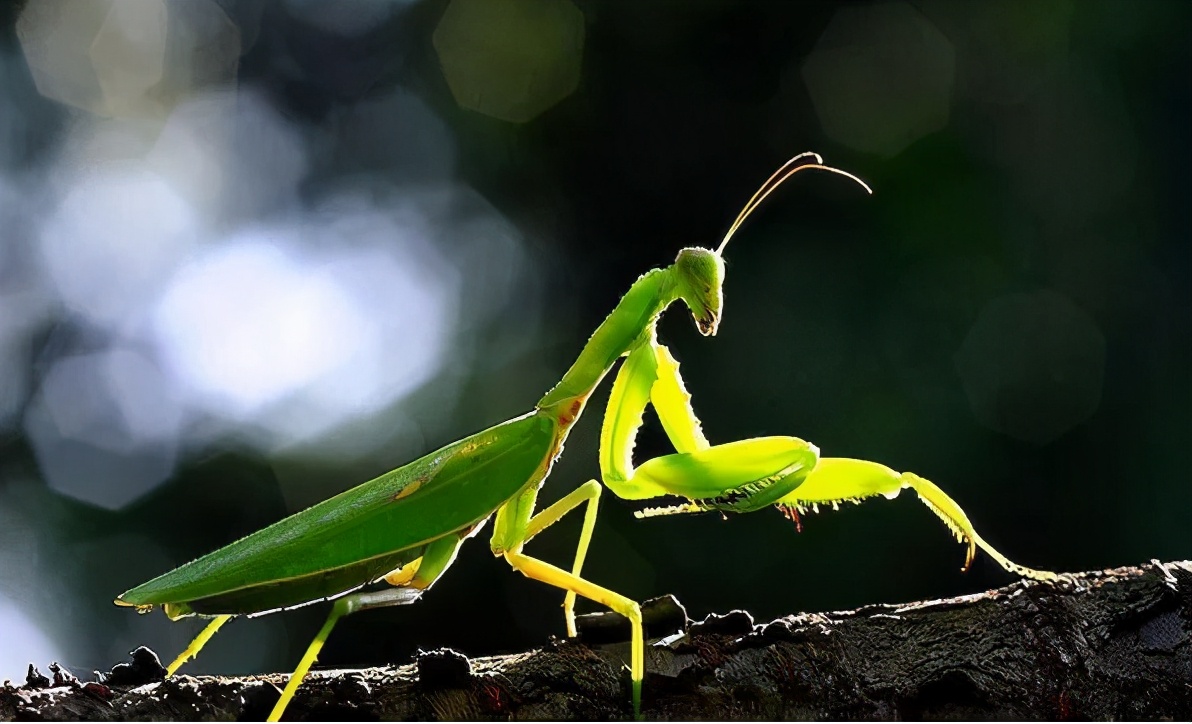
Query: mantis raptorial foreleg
[(672, 403), (650, 375), (739, 476), (717, 478)]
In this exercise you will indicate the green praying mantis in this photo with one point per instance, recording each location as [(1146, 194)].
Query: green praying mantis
[(405, 527)]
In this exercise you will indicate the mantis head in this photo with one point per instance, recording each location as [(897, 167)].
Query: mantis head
[(701, 271), (701, 278)]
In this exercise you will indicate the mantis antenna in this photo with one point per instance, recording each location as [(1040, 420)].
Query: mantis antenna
[(788, 169)]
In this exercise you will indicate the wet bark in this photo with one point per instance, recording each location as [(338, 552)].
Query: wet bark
[(1104, 645)]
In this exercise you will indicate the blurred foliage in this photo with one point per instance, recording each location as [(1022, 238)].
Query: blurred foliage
[(1010, 314)]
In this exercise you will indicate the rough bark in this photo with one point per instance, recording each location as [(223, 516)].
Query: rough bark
[(1103, 645)]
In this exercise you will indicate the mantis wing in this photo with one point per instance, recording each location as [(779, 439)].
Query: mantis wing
[(363, 533)]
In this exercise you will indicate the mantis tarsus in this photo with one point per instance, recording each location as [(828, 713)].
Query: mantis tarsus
[(405, 527)]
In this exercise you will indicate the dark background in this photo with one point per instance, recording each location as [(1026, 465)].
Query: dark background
[(1008, 315)]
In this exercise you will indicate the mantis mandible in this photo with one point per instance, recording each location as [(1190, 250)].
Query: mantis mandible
[(405, 527)]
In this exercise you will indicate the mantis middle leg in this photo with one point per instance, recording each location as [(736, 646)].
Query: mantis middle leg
[(837, 480), (516, 525), (588, 493), (545, 572)]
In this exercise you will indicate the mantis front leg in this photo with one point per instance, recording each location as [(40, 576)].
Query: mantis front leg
[(650, 374), (740, 476), (749, 474)]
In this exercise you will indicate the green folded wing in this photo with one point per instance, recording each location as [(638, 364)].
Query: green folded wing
[(358, 535)]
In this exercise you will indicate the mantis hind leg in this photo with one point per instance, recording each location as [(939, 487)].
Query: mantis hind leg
[(438, 556), (197, 644)]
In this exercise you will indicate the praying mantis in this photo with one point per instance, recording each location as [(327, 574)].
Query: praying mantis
[(405, 527)]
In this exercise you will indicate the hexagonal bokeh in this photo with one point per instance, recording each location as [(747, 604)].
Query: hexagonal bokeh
[(126, 58), (1032, 365), (111, 243), (513, 59), (1007, 49), (880, 77), (105, 427), (128, 55)]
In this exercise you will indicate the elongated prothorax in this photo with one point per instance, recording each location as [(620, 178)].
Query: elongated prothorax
[(696, 277)]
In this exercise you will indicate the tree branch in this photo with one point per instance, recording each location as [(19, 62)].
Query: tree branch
[(1111, 644)]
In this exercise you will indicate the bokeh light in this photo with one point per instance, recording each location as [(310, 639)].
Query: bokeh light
[(510, 60), (1033, 365), (231, 156), (113, 239), (345, 18), (105, 427), (127, 58), (24, 642), (254, 322), (1007, 49), (249, 326), (26, 298), (881, 77)]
